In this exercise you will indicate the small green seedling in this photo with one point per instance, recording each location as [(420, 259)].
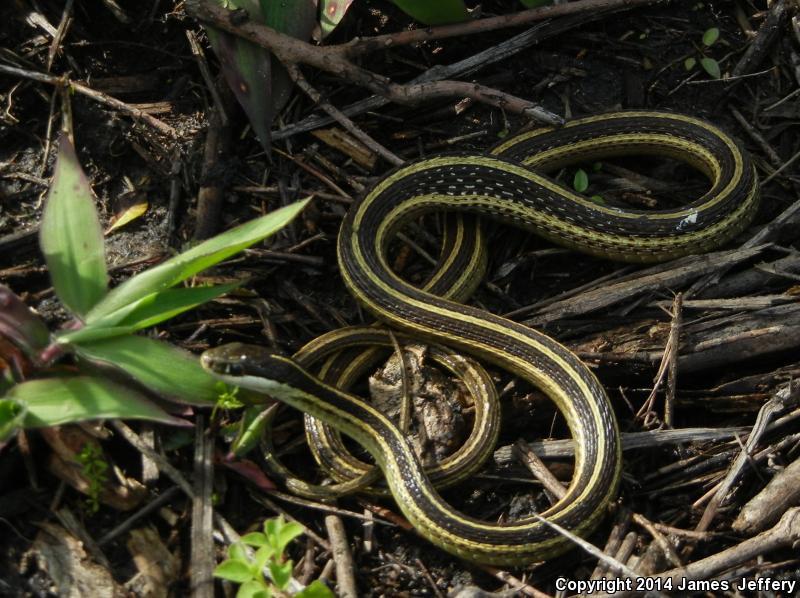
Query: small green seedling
[(95, 469), (708, 64), (226, 399), (247, 569), (580, 182)]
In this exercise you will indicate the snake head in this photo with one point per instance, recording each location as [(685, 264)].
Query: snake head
[(258, 369), (239, 359)]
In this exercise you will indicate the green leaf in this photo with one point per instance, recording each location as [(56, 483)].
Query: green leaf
[(711, 66), (316, 589), (238, 551), (536, 3), (250, 429), (254, 539), (281, 573), (581, 181), (196, 259), (690, 63), (287, 533), (331, 13), (260, 83), (281, 532), (263, 555), (12, 417), (253, 589), (598, 199), (91, 334), (147, 311), (441, 12), (710, 37), (163, 368), (247, 69), (296, 19), (57, 401), (71, 237), (235, 571)]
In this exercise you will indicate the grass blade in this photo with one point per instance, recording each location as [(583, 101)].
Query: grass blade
[(147, 311), (189, 263)]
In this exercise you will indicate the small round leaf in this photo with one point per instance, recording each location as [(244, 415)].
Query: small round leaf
[(710, 37), (711, 66), (581, 181)]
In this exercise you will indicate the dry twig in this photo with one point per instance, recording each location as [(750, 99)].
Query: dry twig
[(291, 51), (345, 578), (97, 96)]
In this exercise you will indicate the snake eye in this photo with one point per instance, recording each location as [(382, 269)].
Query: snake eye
[(234, 369)]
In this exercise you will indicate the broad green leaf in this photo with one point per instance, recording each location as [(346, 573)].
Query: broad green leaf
[(710, 37), (441, 12), (20, 325), (287, 533), (71, 237), (163, 368), (259, 82), (235, 571), (254, 539), (263, 555), (581, 181), (57, 401), (536, 3), (316, 589), (12, 417), (711, 66), (196, 259), (281, 573), (253, 589), (147, 311), (296, 18), (238, 551), (331, 12), (690, 63), (281, 532), (247, 69)]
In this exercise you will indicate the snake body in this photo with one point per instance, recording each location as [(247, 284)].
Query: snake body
[(506, 186)]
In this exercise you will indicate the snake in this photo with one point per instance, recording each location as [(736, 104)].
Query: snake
[(509, 184)]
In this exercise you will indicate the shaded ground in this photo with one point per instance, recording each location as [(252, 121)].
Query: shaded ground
[(725, 370)]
